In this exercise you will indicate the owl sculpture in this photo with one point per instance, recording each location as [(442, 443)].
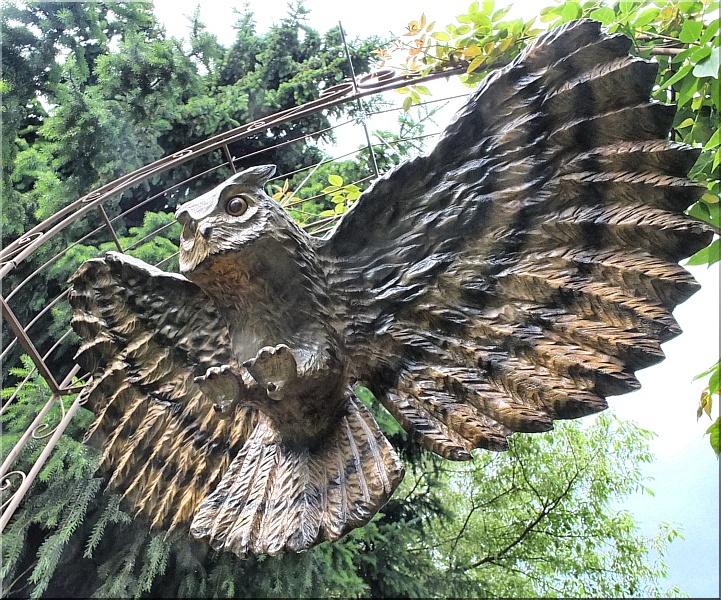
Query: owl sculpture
[(518, 274)]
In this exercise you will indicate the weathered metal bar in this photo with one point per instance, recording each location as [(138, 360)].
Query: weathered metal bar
[(39, 463), (358, 100), (20, 444), (21, 248), (229, 157), (109, 225), (28, 345)]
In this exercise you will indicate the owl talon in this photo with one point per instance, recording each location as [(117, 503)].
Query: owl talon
[(220, 385), (273, 368)]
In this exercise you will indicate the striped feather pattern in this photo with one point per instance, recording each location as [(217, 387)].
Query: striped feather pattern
[(162, 444), (276, 498), (528, 266)]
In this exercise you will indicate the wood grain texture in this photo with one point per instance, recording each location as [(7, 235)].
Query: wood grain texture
[(274, 498), (528, 266), (518, 274), (148, 334)]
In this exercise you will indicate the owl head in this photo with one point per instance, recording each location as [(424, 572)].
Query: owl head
[(227, 218)]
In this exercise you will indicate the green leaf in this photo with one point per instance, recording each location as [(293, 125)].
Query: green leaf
[(475, 63), (713, 432), (711, 30), (690, 31), (335, 180), (331, 188), (713, 382), (550, 13), (714, 141), (709, 67), (500, 13), (682, 72), (421, 89), (646, 17), (488, 7), (710, 198), (604, 14), (407, 103), (709, 255), (441, 36), (571, 11), (685, 123)]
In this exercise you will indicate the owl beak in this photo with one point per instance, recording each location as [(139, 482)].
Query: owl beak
[(189, 224), (206, 231)]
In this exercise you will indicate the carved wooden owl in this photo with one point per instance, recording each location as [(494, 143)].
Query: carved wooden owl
[(518, 274)]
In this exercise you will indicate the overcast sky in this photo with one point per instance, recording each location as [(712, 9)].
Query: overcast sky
[(686, 471)]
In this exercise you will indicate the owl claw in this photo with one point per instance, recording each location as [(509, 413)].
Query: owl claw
[(221, 386), (273, 368)]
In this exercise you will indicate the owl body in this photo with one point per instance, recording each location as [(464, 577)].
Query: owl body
[(271, 292), (518, 274)]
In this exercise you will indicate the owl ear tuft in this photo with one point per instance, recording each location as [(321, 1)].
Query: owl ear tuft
[(255, 175)]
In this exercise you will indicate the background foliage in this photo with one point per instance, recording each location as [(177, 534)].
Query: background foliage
[(93, 90)]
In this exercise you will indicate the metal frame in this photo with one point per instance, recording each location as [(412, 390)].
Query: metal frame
[(19, 250)]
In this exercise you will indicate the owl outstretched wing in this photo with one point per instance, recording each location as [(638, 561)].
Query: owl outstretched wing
[(233, 481), (524, 269), (146, 335)]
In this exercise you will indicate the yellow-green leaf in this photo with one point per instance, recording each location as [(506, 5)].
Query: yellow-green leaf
[(604, 14), (441, 36), (646, 17), (475, 63), (335, 180)]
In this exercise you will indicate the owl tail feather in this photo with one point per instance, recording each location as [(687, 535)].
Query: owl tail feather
[(274, 498)]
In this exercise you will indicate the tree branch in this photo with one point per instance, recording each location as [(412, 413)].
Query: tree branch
[(545, 511)]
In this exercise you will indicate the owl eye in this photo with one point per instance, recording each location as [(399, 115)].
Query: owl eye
[(236, 206)]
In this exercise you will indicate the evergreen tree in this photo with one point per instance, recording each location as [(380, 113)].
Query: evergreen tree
[(114, 94)]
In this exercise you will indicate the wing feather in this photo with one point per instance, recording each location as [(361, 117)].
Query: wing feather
[(528, 266), (146, 334)]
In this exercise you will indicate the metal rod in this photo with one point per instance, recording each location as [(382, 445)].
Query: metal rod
[(21, 248), (118, 245), (27, 343), (20, 492), (229, 157), (358, 101), (20, 444)]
